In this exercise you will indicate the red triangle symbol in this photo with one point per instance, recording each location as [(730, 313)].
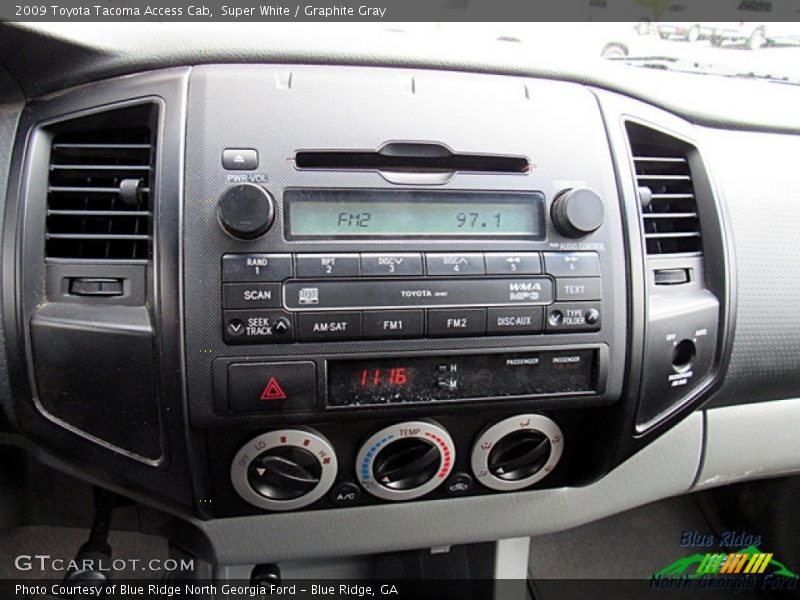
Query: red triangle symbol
[(273, 391)]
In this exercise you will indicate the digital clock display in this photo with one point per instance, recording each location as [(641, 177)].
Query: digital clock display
[(401, 380), (394, 213)]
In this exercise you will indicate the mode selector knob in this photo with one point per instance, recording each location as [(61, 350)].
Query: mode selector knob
[(246, 211), (577, 212)]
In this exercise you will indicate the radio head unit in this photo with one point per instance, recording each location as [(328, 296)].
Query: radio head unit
[(415, 278)]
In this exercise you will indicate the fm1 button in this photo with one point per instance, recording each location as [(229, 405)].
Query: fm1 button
[(386, 324), (459, 484), (345, 494), (267, 387)]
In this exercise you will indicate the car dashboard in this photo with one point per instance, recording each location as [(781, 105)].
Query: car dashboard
[(364, 301)]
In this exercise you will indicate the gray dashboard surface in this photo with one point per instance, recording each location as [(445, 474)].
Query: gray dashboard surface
[(757, 177), (750, 441), (59, 55)]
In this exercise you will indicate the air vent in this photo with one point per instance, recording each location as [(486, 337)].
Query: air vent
[(99, 200), (664, 178)]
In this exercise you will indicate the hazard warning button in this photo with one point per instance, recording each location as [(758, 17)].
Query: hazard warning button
[(264, 387)]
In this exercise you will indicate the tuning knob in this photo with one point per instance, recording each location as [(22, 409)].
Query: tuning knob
[(577, 212), (246, 211)]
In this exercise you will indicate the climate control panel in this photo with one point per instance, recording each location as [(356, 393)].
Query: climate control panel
[(289, 469)]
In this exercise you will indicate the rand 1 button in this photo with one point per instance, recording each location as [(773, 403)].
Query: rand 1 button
[(572, 316), (327, 265), (572, 264), (328, 327), (256, 267), (514, 321), (573, 289), (251, 295), (392, 324), (267, 387), (393, 265), (509, 263), (257, 326), (453, 323), (467, 263)]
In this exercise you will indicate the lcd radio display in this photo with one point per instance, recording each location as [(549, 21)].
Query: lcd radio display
[(392, 213)]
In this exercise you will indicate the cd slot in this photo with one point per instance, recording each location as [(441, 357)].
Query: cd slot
[(410, 158)]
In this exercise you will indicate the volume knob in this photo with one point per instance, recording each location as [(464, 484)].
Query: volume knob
[(246, 211), (577, 212)]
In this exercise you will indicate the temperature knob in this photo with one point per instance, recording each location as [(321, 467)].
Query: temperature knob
[(406, 460), (577, 212), (246, 211)]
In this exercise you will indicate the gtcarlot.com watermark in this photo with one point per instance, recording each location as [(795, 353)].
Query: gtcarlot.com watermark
[(46, 562)]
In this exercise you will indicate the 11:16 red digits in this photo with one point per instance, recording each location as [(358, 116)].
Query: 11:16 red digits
[(380, 377)]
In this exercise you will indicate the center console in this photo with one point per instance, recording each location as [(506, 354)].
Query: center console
[(424, 297)]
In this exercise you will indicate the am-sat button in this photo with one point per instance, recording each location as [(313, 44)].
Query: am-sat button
[(328, 326), (266, 387)]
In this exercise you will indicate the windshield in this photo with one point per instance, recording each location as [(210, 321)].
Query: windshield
[(731, 48), (756, 49), (660, 39)]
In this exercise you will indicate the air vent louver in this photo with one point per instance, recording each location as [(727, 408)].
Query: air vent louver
[(99, 201), (664, 178)]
